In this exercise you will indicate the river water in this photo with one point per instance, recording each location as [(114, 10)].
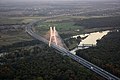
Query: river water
[(91, 39)]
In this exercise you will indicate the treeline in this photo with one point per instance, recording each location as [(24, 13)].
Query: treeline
[(99, 22), (41, 63), (8, 24), (106, 54), (7, 48), (72, 43)]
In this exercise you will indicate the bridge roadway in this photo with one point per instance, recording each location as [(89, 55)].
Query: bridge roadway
[(63, 51)]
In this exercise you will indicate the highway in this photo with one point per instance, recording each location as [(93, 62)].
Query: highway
[(63, 51)]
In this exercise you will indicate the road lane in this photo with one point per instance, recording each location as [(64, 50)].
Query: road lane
[(63, 51)]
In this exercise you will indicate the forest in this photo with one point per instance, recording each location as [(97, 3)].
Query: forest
[(106, 54), (99, 22), (36, 61)]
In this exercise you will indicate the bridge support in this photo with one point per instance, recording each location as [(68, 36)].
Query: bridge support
[(52, 36)]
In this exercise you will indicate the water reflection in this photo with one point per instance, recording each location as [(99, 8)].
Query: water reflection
[(91, 39)]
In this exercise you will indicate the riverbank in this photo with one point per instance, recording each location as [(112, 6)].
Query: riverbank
[(106, 54), (90, 40)]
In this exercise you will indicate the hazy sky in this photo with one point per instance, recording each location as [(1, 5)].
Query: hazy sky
[(50, 0)]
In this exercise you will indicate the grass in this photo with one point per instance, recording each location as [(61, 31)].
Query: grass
[(65, 24), (10, 21), (9, 39), (37, 17), (14, 36), (61, 18), (87, 17), (64, 27), (18, 20)]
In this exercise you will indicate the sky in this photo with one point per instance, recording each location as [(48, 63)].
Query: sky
[(14, 1), (49, 0)]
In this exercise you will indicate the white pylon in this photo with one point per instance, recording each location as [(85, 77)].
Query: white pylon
[(52, 36)]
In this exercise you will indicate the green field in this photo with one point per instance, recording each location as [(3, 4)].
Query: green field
[(65, 25), (68, 24), (10, 21), (62, 28), (6, 39), (18, 20), (18, 35)]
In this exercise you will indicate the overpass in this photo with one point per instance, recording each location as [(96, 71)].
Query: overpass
[(63, 51)]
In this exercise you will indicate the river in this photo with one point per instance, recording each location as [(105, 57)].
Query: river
[(90, 40)]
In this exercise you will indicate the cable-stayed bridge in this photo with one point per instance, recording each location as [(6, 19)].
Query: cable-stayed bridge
[(66, 52)]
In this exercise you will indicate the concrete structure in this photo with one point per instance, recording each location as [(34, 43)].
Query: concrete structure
[(52, 36), (78, 59)]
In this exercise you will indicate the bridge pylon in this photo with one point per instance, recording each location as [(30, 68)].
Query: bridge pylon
[(52, 36)]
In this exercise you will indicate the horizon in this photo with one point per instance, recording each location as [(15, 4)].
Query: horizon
[(52, 0)]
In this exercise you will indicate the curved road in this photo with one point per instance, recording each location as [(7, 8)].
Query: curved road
[(63, 51)]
